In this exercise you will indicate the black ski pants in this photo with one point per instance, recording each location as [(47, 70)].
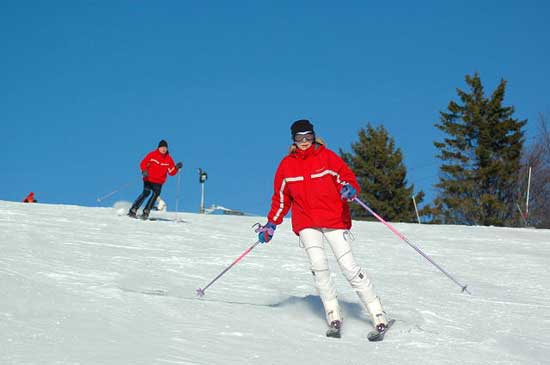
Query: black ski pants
[(148, 187)]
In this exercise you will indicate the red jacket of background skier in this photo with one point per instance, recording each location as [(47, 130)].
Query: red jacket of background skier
[(309, 182), (29, 198), (157, 166)]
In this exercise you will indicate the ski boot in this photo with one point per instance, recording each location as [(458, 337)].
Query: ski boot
[(381, 323), (380, 331), (377, 313), (381, 327), (334, 318), (335, 329)]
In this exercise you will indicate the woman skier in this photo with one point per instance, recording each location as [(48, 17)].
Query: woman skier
[(154, 168), (317, 185)]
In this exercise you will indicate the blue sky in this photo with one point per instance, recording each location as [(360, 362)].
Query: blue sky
[(89, 87)]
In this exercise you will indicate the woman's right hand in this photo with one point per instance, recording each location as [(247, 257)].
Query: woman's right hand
[(266, 232)]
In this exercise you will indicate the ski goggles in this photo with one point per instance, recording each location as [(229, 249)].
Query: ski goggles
[(308, 137)]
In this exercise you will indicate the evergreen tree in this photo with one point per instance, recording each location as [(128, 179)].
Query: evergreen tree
[(481, 159), (380, 172)]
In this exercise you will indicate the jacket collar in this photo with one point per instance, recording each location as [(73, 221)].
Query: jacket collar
[(157, 152), (311, 151)]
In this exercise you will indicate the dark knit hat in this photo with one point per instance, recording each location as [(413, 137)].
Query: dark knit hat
[(163, 143), (301, 126)]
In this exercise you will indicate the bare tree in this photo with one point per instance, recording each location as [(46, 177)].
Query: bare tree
[(537, 157)]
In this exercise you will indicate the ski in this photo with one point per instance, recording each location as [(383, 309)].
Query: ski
[(155, 219), (377, 335), (334, 333), (140, 216)]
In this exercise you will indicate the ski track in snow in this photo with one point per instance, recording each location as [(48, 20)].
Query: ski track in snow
[(92, 286)]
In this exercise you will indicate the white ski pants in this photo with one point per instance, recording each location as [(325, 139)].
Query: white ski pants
[(338, 239)]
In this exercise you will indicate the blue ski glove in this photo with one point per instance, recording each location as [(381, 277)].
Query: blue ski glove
[(348, 192), (145, 173), (179, 165), (265, 233)]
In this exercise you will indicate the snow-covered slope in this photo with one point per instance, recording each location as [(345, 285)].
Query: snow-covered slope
[(86, 285)]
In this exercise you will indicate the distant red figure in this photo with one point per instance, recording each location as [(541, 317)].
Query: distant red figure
[(30, 198)]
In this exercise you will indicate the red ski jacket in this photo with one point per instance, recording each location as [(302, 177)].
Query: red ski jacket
[(309, 182), (157, 166)]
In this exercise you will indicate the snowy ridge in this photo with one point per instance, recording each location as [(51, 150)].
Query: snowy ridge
[(89, 286)]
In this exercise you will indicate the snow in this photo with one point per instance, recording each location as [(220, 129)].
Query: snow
[(91, 286)]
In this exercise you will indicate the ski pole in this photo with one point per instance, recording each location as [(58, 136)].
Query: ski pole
[(398, 234), (200, 291), (100, 199), (178, 195)]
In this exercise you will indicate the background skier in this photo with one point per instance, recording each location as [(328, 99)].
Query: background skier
[(161, 205), (154, 168), (316, 184), (30, 198)]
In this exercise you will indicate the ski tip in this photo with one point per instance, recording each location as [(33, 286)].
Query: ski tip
[(200, 292)]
